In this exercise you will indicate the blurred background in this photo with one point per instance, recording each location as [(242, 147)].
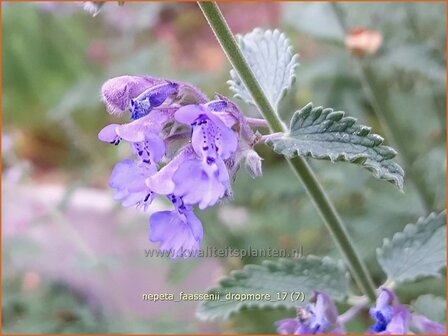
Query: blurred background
[(73, 260)]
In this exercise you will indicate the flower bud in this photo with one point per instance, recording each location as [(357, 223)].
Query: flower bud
[(253, 163)]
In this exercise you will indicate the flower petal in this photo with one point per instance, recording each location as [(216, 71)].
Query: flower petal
[(108, 133), (151, 150), (399, 324), (128, 180), (199, 183), (177, 233), (152, 123), (162, 182), (287, 326), (189, 113)]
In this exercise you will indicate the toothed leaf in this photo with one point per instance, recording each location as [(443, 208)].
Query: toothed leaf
[(301, 275), (273, 62), (322, 133), (418, 251)]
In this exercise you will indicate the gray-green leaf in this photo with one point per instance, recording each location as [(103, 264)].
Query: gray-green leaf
[(323, 133), (431, 306), (273, 62), (301, 275), (418, 251)]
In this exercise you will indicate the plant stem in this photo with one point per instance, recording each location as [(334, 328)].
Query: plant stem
[(389, 123), (299, 165), (255, 122)]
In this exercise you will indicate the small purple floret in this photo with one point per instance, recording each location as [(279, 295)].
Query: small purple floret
[(319, 317), (128, 179), (185, 148), (179, 231)]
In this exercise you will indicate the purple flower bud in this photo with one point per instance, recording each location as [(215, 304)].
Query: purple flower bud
[(117, 92), (152, 98), (141, 94)]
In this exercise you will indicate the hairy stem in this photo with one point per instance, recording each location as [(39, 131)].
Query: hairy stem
[(299, 165), (389, 123), (255, 122)]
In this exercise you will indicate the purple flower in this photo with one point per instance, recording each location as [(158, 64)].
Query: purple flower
[(246, 142), (383, 310), (205, 180), (162, 182), (210, 136), (391, 317), (128, 179), (202, 183), (189, 167), (320, 317), (179, 231), (394, 318), (190, 178), (143, 134)]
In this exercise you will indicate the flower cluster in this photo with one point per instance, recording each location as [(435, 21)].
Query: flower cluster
[(391, 318), (186, 148)]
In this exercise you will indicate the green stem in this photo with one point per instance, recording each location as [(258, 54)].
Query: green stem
[(389, 123), (301, 168)]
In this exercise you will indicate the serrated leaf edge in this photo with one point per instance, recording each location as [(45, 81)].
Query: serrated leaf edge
[(292, 64), (359, 130), (265, 264), (409, 228)]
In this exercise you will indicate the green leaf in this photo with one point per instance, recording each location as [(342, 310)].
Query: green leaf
[(322, 133), (271, 58), (431, 306), (301, 275), (418, 251)]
